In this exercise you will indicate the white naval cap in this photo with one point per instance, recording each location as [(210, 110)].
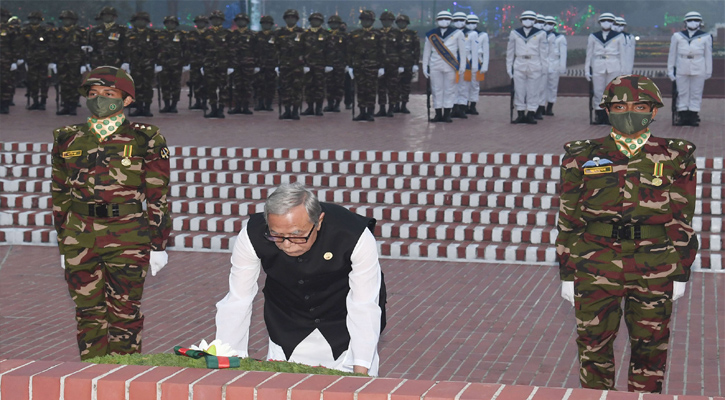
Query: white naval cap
[(620, 21), (459, 16), (607, 17), (550, 18), (693, 15), (443, 15), (472, 18), (540, 17), (528, 14)]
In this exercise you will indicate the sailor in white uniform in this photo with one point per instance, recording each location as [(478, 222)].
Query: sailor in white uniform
[(474, 87), (539, 24), (629, 45), (526, 61), (557, 61), (471, 60), (606, 58)]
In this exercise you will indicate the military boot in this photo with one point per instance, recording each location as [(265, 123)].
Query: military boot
[(235, 110), (268, 105), (138, 111), (395, 107), (318, 109), (330, 106), (531, 118), (35, 104), (41, 106), (600, 117), (172, 108), (520, 118), (246, 110), (539, 114), (459, 111), (381, 112), (694, 118), (310, 110), (165, 109), (439, 115), (212, 113), (73, 108), (361, 115), (336, 106), (259, 106), (472, 109), (369, 114), (65, 110), (295, 113), (549, 107), (147, 110), (198, 105), (286, 114), (391, 113), (5, 107), (447, 115), (403, 108)]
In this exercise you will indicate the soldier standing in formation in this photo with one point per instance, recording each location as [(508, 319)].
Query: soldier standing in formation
[(366, 54), (172, 59), (316, 42), (9, 47), (469, 57), (141, 50), (244, 48), (691, 54), (216, 42), (409, 56), (107, 40), (69, 41), (625, 233), (543, 80), (265, 85), (483, 55), (605, 58), (195, 54), (36, 50), (629, 45), (388, 83), (291, 67), (526, 61), (337, 59), (113, 175), (557, 62)]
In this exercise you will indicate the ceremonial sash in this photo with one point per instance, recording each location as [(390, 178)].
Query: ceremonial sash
[(445, 54), (467, 74)]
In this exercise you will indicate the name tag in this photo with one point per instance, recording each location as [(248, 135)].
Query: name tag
[(598, 170), (72, 153), (114, 36)]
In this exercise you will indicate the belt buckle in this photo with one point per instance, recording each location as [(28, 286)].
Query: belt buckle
[(627, 232), (101, 210)]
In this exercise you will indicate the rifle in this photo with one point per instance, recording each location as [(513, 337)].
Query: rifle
[(158, 90), (428, 92), (27, 87), (57, 94), (352, 89), (279, 98), (675, 94), (231, 89), (511, 113), (191, 92), (591, 98)]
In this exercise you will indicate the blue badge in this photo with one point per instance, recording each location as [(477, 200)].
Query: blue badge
[(596, 162)]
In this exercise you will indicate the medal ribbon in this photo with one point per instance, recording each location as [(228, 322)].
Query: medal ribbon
[(659, 169), (127, 150)]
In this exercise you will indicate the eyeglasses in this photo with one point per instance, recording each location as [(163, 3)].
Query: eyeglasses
[(292, 239)]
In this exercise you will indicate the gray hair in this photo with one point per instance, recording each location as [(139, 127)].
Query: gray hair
[(290, 195)]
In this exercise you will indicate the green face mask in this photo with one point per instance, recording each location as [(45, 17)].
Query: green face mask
[(630, 122), (102, 107)]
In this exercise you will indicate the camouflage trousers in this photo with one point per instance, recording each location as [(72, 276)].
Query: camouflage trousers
[(7, 81), (315, 84), (196, 80), (388, 86), (335, 83), (265, 84), (605, 278), (366, 85), (217, 86), (37, 80), (291, 84), (106, 286), (170, 82), (144, 81), (243, 78), (69, 78), (404, 84)]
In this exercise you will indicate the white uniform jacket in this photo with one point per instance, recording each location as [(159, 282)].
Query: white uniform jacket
[(557, 53), (629, 50), (471, 38), (483, 51), (605, 56), (691, 55), (527, 53), (453, 39)]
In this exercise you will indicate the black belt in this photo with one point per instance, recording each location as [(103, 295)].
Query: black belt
[(626, 232), (105, 210)]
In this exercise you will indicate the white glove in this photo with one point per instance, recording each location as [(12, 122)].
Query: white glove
[(672, 77), (256, 70), (567, 291), (426, 74), (276, 69), (230, 71), (126, 68), (708, 76), (510, 76), (381, 72), (462, 70), (305, 69), (53, 67), (62, 261), (83, 69), (483, 71), (562, 71), (401, 70), (202, 71), (158, 260), (158, 68), (186, 68), (678, 289), (87, 49), (415, 68), (13, 66), (349, 72), (328, 69), (588, 76), (20, 61)]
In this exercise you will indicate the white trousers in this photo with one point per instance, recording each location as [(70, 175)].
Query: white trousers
[(689, 92), (600, 82), (527, 90), (543, 83), (552, 87), (474, 90), (462, 88), (443, 87)]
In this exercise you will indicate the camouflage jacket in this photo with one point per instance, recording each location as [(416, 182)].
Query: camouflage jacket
[(267, 49), (216, 46), (107, 43), (244, 43), (10, 44), (394, 46), (366, 49), (337, 56), (290, 48), (172, 48), (410, 52), (601, 185), (194, 47), (88, 171), (317, 46), (67, 44), (37, 44), (141, 47)]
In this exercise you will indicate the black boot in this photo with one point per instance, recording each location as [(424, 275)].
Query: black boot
[(198, 105), (531, 118), (472, 109), (361, 115), (439, 115), (459, 111), (259, 106), (336, 106), (599, 117), (381, 112), (286, 114), (318, 109), (369, 114), (540, 112), (73, 108), (246, 110), (219, 112), (172, 108), (35, 104), (520, 118), (403, 108), (235, 110), (138, 111), (41, 106), (268, 105), (64, 111), (4, 107), (166, 107), (330, 105), (295, 113), (396, 108), (212, 113), (147, 110), (310, 110), (391, 112), (549, 112), (694, 118), (681, 118), (348, 106), (447, 115)]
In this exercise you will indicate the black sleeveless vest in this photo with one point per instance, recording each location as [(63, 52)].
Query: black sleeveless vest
[(308, 292)]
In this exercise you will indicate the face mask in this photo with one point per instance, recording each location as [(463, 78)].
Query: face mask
[(459, 24), (527, 23), (471, 26), (444, 23), (606, 25), (617, 28), (630, 122), (102, 107), (692, 25), (538, 25), (548, 28)]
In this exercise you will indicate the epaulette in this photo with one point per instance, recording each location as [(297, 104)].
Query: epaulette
[(146, 129), (681, 145), (66, 130), (578, 146)]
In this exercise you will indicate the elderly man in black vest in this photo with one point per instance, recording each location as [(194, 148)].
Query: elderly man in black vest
[(324, 296)]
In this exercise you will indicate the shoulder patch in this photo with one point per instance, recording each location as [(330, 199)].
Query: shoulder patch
[(681, 145), (578, 146)]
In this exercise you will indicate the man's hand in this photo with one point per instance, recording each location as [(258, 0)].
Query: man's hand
[(349, 72), (53, 67), (158, 68), (230, 71), (588, 76), (678, 289), (201, 70), (83, 69), (62, 261), (381, 72), (401, 70), (13, 66), (158, 260), (328, 69), (672, 77), (276, 70), (359, 369), (415, 68), (256, 70), (87, 49), (305, 70), (126, 68), (567, 291), (186, 68)]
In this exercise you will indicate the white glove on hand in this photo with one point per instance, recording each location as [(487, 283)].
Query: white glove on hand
[(53, 67), (305, 69), (426, 74), (678, 289), (158, 68), (230, 71), (328, 69), (567, 291), (20, 61), (126, 68), (349, 72), (87, 49), (708, 76), (415, 68), (276, 69), (202, 71), (158, 260), (256, 70), (381, 72), (401, 70), (588, 76), (83, 69), (672, 77), (186, 68), (13, 66), (62, 261)]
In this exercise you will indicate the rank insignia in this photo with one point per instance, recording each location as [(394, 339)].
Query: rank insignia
[(598, 170), (71, 153), (327, 256)]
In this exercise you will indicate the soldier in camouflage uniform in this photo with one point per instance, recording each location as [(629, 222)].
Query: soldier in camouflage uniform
[(107, 39), (625, 233), (216, 45), (141, 49), (317, 48), (349, 94), (265, 84), (104, 172), (172, 58), (409, 57), (9, 46), (69, 57), (366, 55), (388, 83), (195, 56), (291, 61), (36, 50), (337, 59), (244, 45)]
